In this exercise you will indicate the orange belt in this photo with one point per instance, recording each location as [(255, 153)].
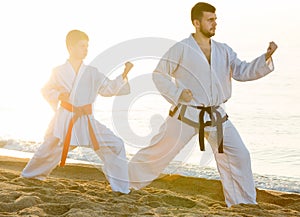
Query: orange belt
[(78, 112)]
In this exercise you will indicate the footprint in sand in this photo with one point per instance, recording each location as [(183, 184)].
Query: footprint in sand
[(178, 201)]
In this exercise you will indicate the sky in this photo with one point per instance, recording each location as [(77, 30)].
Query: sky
[(33, 33)]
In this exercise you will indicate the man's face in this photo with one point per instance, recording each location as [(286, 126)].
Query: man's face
[(208, 24), (79, 50)]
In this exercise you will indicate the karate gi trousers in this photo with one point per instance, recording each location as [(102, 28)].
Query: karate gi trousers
[(111, 152), (234, 164)]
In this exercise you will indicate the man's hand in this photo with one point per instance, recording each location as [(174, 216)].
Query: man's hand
[(64, 96), (186, 95), (271, 49), (128, 66)]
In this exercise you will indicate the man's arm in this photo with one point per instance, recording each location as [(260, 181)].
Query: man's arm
[(165, 70), (257, 68), (271, 49)]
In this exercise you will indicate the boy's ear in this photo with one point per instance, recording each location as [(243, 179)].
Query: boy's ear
[(69, 47)]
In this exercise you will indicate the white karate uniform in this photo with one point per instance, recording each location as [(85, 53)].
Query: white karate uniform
[(185, 66), (83, 88)]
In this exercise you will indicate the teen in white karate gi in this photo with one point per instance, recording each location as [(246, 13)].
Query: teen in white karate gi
[(195, 76), (75, 86)]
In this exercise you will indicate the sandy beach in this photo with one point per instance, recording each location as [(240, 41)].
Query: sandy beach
[(82, 190)]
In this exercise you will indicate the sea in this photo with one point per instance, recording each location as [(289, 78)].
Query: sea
[(266, 112)]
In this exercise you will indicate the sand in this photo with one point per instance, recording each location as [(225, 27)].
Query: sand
[(82, 190)]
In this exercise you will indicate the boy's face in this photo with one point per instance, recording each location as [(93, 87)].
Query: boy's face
[(79, 50)]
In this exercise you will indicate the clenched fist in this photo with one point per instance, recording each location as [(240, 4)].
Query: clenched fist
[(64, 96), (186, 95), (271, 49)]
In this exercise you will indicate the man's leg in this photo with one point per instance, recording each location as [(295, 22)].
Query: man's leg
[(234, 166), (150, 161), (44, 160), (113, 155)]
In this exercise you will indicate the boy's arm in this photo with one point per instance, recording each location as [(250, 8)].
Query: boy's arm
[(128, 67), (53, 93), (116, 87)]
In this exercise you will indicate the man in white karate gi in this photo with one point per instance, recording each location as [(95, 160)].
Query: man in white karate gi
[(74, 86), (195, 76)]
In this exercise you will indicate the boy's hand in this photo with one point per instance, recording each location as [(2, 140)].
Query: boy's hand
[(128, 66), (64, 96)]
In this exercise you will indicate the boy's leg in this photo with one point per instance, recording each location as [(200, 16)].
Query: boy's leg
[(113, 155), (44, 160), (234, 166), (150, 161)]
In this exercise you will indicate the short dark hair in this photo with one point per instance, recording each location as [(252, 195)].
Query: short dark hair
[(199, 8), (74, 36)]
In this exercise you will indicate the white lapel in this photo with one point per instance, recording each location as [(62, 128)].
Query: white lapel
[(197, 47), (76, 82)]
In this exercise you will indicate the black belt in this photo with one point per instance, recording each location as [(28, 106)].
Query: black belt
[(215, 121)]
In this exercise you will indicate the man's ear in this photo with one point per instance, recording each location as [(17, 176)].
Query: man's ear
[(196, 23)]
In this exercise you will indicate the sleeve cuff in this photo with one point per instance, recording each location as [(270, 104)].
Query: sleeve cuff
[(122, 80), (270, 63)]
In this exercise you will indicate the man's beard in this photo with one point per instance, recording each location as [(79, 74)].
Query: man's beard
[(206, 33)]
